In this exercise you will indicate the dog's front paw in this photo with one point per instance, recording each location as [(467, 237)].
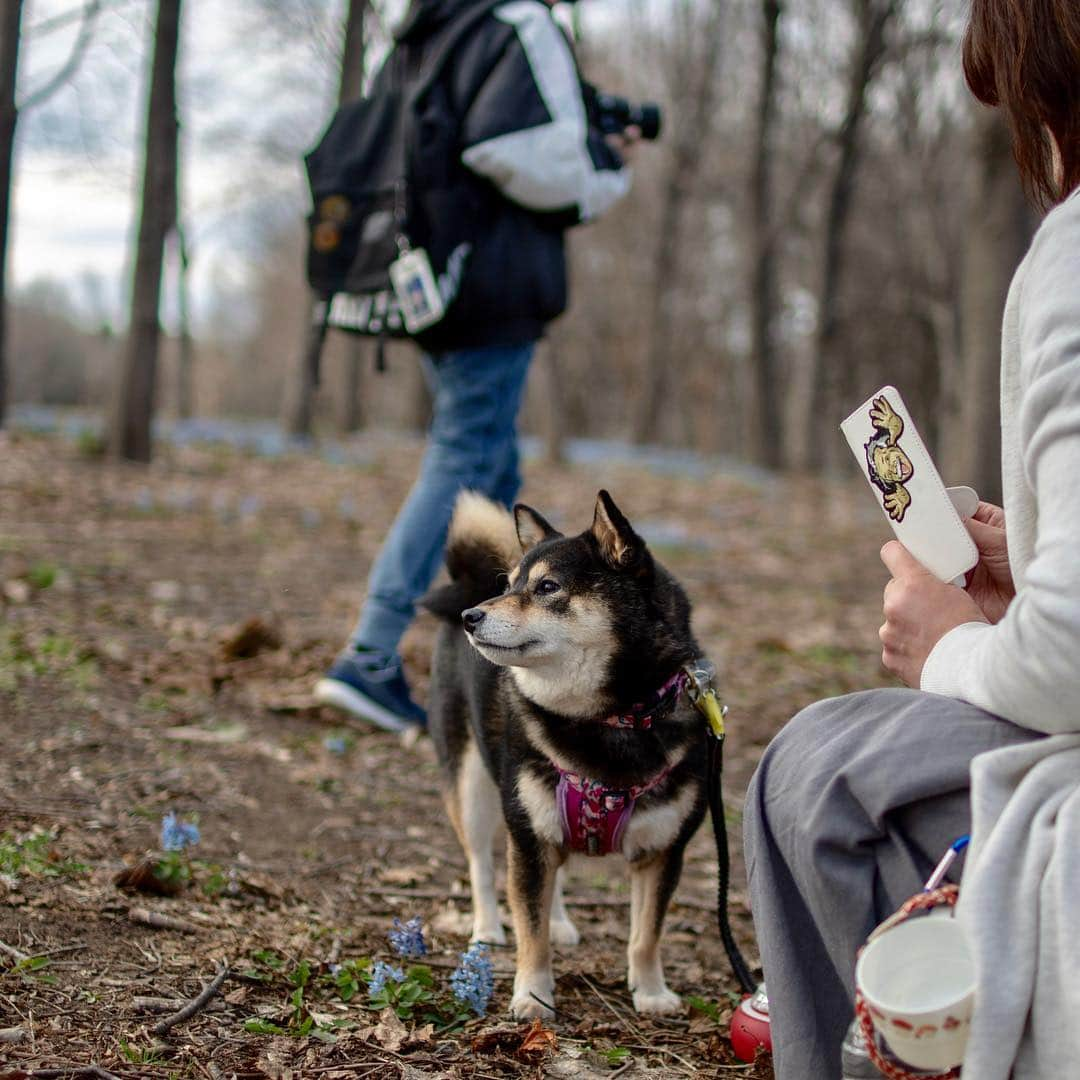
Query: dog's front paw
[(563, 932), (490, 935), (663, 1002), (528, 1008), (533, 1000)]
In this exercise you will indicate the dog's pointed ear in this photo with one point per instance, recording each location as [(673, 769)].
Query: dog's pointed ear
[(532, 527), (620, 547)]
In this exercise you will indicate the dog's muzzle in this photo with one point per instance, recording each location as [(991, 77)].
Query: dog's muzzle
[(472, 618)]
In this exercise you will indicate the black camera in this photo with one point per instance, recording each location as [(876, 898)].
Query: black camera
[(613, 115)]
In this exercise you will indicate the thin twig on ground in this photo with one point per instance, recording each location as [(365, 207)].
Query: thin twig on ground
[(438, 962), (72, 1071), (334, 955), (193, 1006), (406, 892), (611, 1008), (155, 919), (15, 954), (157, 1004)]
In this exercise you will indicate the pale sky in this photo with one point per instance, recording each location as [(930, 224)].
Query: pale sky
[(78, 170)]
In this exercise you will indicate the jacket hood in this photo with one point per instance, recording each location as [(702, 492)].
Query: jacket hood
[(423, 17)]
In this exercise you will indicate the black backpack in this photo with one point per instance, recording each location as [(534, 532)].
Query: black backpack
[(370, 197)]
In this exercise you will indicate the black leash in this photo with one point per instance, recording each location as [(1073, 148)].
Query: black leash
[(702, 693), (723, 866)]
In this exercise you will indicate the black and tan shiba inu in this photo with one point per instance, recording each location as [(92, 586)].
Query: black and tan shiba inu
[(557, 706)]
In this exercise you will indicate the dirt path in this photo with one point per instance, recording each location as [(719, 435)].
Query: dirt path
[(122, 697)]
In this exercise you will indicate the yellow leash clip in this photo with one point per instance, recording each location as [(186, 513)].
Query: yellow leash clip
[(703, 696)]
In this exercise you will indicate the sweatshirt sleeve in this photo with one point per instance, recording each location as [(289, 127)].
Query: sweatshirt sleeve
[(527, 131), (1026, 668)]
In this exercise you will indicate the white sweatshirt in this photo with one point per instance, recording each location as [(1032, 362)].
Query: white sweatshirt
[(1027, 667), (1020, 893)]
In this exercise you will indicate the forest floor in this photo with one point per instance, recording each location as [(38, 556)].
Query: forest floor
[(160, 632)]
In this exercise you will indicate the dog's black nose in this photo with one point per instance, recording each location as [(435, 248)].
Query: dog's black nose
[(472, 618)]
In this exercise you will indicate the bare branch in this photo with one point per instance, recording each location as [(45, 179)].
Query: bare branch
[(47, 25), (75, 57)]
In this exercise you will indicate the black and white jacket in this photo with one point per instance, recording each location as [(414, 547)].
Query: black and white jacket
[(526, 159)]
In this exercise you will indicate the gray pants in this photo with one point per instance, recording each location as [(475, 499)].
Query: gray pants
[(852, 805)]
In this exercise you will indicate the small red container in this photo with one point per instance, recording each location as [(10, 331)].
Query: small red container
[(750, 1026)]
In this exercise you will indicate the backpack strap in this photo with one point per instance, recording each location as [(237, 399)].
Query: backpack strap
[(448, 45)]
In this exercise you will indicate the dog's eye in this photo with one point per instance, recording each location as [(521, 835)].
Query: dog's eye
[(546, 586)]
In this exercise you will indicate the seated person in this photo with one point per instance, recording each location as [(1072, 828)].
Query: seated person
[(858, 797)]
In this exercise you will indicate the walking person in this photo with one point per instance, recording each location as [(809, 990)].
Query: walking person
[(530, 165), (856, 799)]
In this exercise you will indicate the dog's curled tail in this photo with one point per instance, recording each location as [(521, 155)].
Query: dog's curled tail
[(481, 548)]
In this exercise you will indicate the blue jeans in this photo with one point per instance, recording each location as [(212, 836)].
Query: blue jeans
[(472, 444)]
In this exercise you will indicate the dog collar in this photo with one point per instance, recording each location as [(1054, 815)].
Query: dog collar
[(594, 816), (640, 717)]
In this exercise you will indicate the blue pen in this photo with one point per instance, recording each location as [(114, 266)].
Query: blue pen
[(942, 868)]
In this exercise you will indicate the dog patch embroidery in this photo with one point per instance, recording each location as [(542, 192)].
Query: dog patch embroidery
[(888, 465)]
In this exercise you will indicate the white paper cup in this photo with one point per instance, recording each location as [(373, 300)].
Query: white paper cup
[(918, 981)]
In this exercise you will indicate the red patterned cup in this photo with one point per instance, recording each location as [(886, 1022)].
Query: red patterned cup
[(918, 981)]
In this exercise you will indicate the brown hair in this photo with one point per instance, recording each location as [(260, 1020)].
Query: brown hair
[(1024, 55)]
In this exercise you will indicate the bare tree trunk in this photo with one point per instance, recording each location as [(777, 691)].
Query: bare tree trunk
[(768, 398), (682, 175), (946, 325), (998, 234), (550, 353), (130, 435), (300, 404), (417, 396), (353, 71), (10, 17), (185, 363), (350, 415), (831, 377), (300, 410), (551, 349), (9, 58)]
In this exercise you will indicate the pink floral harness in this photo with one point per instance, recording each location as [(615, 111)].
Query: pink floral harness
[(594, 816)]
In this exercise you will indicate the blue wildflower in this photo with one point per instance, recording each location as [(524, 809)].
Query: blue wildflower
[(176, 834), (407, 939), (380, 972), (336, 744), (474, 979)]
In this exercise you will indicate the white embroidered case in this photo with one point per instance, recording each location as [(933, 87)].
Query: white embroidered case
[(893, 458)]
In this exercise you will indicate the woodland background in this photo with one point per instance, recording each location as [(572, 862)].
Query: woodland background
[(826, 210)]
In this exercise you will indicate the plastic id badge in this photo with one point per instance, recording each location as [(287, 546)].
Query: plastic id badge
[(416, 290), (893, 458)]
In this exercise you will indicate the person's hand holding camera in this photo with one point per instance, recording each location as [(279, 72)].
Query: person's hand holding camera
[(990, 583), (625, 143)]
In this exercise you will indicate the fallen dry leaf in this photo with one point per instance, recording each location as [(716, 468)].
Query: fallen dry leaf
[(275, 1061), (141, 877), (538, 1041), (390, 1033)]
